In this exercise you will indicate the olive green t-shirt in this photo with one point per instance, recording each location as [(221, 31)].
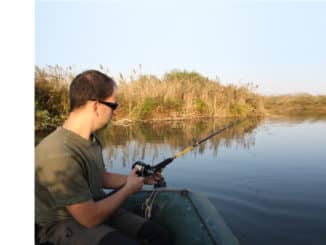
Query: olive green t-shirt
[(68, 171)]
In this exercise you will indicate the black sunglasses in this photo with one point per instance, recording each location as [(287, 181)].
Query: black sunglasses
[(113, 106)]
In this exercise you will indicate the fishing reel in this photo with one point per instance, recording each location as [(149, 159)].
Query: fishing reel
[(146, 170), (143, 169)]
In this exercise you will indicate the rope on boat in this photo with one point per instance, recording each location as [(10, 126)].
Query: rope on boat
[(147, 206)]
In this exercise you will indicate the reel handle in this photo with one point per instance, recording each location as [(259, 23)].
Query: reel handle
[(143, 169), (146, 170)]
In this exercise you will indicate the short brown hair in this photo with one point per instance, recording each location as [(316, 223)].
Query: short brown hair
[(88, 85)]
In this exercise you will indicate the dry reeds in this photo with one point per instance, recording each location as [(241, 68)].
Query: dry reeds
[(177, 95)]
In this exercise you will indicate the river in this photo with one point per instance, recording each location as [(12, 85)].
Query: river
[(266, 177)]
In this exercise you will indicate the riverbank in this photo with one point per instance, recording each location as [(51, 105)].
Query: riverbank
[(298, 104), (178, 95)]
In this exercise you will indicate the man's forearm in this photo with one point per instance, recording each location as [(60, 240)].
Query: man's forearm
[(113, 180), (91, 214), (106, 207)]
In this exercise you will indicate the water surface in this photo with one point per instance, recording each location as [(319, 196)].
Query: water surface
[(267, 178)]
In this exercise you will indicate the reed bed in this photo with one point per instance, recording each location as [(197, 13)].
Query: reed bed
[(178, 94)]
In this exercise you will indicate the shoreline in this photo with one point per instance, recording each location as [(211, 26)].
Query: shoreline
[(127, 122)]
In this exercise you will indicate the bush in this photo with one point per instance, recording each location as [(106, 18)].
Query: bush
[(171, 104), (239, 109), (51, 99), (145, 109), (200, 106)]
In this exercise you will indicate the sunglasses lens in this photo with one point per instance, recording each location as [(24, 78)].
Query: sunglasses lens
[(114, 106)]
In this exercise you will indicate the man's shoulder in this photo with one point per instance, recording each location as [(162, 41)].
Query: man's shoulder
[(54, 137), (52, 144)]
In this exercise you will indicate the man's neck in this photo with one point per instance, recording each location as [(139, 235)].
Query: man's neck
[(77, 124)]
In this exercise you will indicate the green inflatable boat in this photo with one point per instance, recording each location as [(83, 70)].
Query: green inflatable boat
[(190, 217)]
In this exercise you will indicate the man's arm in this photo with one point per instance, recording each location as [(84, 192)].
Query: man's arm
[(113, 180), (90, 213)]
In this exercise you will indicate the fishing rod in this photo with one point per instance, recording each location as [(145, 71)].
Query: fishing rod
[(146, 170)]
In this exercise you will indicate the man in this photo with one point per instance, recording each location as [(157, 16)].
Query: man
[(71, 207)]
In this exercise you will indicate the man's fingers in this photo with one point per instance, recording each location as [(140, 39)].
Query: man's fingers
[(160, 170), (157, 174), (134, 171)]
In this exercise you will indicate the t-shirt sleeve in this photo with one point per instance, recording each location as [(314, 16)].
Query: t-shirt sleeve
[(63, 177)]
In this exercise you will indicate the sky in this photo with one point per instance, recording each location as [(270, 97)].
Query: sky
[(278, 45)]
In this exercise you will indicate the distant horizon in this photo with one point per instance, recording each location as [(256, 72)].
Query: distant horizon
[(278, 45)]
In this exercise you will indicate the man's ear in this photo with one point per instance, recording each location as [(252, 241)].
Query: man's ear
[(95, 107)]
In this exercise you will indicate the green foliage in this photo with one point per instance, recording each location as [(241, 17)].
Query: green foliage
[(177, 75), (200, 105), (179, 94), (42, 119), (185, 94), (51, 98), (239, 110), (171, 104), (144, 110)]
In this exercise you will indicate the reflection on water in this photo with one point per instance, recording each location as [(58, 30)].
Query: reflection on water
[(155, 141), (267, 178)]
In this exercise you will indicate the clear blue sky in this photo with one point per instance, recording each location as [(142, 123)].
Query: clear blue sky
[(279, 45)]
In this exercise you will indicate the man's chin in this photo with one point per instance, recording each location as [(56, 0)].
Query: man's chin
[(103, 128)]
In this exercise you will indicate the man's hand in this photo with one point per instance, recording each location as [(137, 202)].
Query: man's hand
[(134, 182), (153, 179)]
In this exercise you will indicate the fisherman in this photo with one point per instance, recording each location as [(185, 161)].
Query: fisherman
[(71, 207)]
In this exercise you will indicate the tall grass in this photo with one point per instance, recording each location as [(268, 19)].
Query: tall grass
[(176, 95), (51, 97), (182, 94), (295, 104)]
